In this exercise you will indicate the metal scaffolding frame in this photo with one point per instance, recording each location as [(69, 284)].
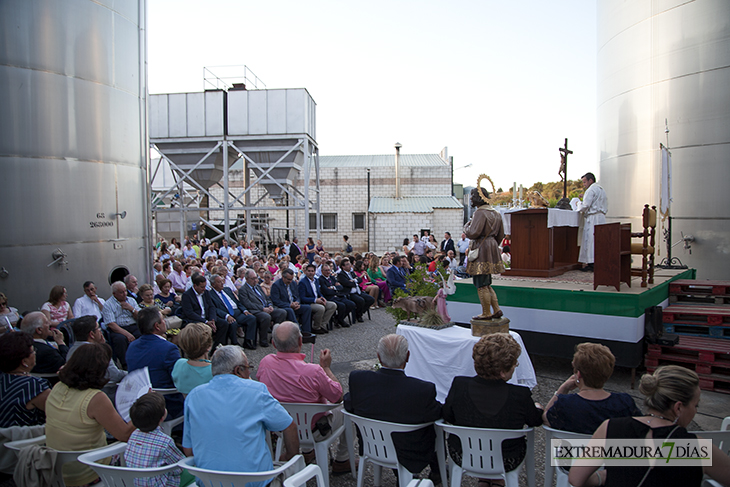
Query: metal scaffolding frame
[(190, 194)]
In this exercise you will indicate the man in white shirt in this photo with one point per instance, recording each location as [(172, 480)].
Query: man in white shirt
[(223, 251), (462, 246), (89, 304)]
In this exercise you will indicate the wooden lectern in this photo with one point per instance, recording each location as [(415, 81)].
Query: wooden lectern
[(539, 251)]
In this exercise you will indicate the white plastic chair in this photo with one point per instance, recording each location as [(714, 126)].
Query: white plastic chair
[(378, 447), (299, 479), (167, 426), (62, 458), (720, 439), (562, 476), (482, 453), (215, 478), (119, 476), (420, 483), (302, 415)]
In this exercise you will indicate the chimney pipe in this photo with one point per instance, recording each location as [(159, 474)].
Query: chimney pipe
[(397, 169)]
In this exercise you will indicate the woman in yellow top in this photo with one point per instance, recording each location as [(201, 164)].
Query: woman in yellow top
[(77, 411)]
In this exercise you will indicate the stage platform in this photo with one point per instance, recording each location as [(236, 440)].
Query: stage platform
[(554, 314)]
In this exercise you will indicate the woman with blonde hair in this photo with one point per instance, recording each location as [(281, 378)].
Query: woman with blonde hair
[(195, 341), (489, 401), (585, 411), (671, 395)]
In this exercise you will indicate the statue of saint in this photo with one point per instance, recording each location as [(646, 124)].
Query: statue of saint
[(484, 259)]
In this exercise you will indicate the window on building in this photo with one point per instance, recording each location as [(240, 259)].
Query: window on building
[(358, 221), (329, 221)]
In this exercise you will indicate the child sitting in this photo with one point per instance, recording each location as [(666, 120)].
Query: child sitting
[(149, 447)]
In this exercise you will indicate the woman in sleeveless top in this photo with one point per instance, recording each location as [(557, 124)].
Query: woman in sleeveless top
[(77, 411), (671, 397)]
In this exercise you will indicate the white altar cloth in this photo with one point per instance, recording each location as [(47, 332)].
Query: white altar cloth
[(440, 355)]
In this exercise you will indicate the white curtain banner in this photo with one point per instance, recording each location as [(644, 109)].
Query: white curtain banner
[(666, 183)]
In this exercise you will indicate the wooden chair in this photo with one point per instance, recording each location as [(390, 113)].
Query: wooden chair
[(646, 247)]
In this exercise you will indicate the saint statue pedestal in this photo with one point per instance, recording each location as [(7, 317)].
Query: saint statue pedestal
[(480, 328)]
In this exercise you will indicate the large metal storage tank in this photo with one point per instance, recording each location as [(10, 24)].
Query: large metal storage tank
[(668, 60), (73, 146)]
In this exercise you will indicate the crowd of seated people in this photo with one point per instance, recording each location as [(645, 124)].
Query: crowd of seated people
[(127, 331)]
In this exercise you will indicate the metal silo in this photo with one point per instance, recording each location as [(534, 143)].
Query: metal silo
[(73, 146), (668, 60)]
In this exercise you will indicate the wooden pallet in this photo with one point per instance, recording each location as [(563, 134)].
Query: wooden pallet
[(696, 315), (698, 330), (709, 357), (708, 382), (698, 299), (694, 349), (697, 288)]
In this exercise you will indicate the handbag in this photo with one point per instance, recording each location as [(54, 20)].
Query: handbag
[(473, 255)]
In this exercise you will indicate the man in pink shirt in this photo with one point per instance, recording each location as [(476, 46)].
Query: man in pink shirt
[(290, 379)]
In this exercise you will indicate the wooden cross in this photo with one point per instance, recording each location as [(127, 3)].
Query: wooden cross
[(564, 166)]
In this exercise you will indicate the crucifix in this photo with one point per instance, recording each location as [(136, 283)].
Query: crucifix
[(563, 172)]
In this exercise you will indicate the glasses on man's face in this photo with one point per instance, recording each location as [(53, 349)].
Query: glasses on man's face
[(249, 366)]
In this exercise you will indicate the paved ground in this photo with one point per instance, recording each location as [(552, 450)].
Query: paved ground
[(354, 348)]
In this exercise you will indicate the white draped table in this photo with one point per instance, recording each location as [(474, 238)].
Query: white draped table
[(440, 355)]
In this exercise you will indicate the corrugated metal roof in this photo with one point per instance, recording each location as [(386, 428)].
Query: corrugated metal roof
[(412, 204), (385, 160)]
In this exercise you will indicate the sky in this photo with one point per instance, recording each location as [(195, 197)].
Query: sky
[(501, 83)]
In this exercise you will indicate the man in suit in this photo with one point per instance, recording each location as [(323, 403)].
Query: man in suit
[(153, 351), (351, 283), (258, 304), (389, 395), (309, 293), (285, 295), (396, 275), (197, 307), (230, 311), (447, 244), (49, 356), (333, 291), (132, 287), (294, 250)]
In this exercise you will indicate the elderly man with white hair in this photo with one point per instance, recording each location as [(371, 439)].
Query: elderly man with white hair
[(50, 355), (389, 395), (290, 379), (120, 319), (226, 420)]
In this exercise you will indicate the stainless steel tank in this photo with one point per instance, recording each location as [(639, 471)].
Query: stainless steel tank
[(668, 60), (73, 147)]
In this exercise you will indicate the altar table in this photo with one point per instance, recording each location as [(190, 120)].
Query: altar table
[(440, 355)]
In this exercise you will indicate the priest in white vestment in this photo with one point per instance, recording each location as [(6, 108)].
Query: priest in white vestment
[(593, 210)]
